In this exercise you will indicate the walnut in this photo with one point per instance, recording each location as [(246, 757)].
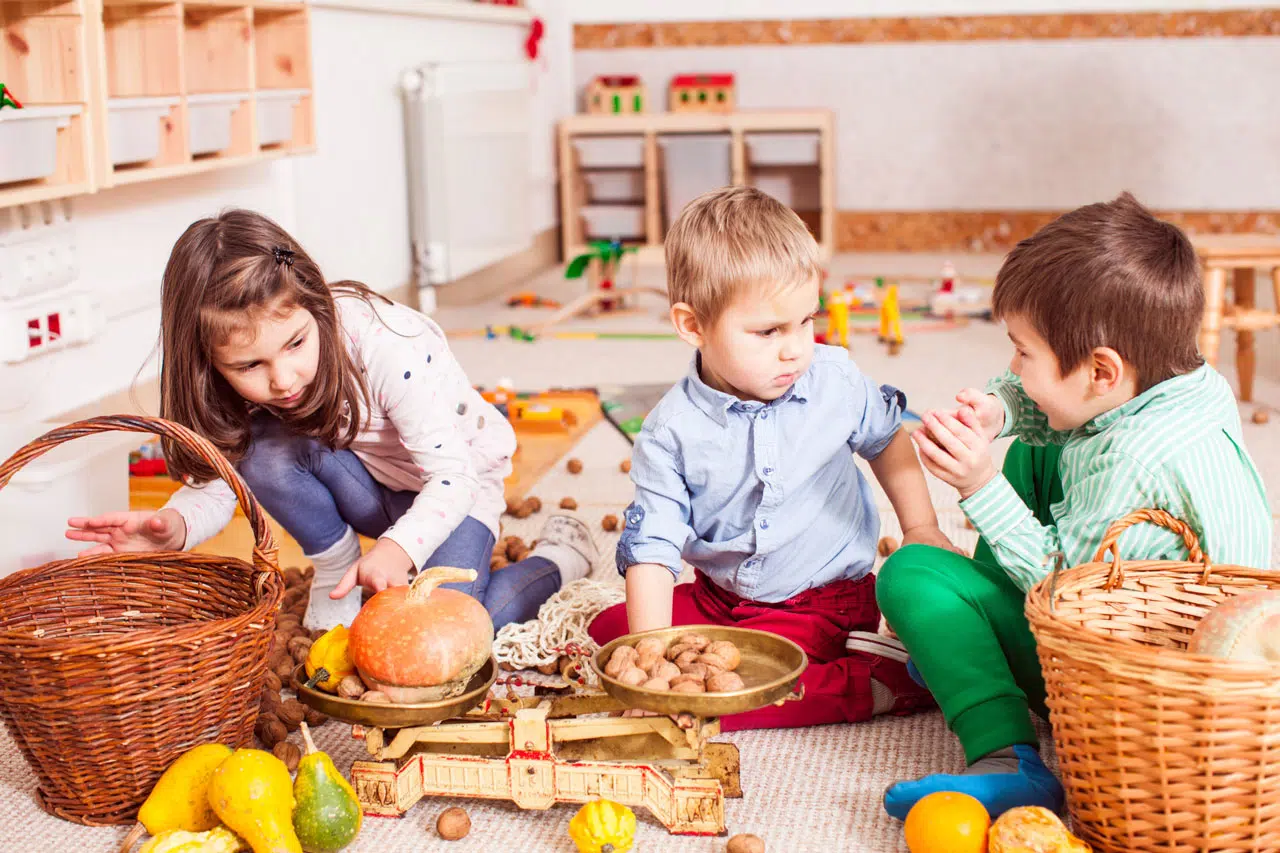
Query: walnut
[(568, 503), (609, 522), (289, 754), (574, 466)]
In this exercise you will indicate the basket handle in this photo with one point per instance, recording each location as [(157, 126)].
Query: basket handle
[(265, 552), (1148, 516)]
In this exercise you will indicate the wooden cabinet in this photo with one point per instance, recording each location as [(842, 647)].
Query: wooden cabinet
[(136, 91), (618, 172)]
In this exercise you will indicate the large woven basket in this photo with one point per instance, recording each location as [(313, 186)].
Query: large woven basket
[(112, 666), (1160, 749)]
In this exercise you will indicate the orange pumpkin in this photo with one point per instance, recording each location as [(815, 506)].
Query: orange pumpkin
[(418, 643)]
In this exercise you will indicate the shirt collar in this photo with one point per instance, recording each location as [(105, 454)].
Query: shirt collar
[(1176, 385), (717, 404)]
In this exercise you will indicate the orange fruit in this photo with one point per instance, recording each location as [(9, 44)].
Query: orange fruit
[(947, 822)]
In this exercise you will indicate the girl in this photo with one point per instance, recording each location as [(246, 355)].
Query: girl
[(345, 413)]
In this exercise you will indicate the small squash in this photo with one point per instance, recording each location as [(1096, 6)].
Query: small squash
[(1032, 828), (603, 826), (328, 661), (418, 643)]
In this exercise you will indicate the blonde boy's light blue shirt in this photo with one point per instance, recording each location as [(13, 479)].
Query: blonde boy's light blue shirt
[(763, 498)]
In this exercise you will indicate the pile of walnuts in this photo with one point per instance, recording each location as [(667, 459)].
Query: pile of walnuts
[(279, 713), (691, 664)]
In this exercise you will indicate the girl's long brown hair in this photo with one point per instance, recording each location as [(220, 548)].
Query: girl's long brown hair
[(223, 273)]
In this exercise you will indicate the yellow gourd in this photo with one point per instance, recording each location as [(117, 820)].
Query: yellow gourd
[(252, 793), (1032, 829), (603, 826), (217, 840), (180, 799), (329, 658)]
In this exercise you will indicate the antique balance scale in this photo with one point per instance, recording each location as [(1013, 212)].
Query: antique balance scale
[(540, 750)]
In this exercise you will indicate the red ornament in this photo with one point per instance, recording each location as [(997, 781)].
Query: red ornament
[(536, 31)]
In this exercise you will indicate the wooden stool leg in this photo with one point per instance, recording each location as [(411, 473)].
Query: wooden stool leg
[(1244, 286), (1215, 286)]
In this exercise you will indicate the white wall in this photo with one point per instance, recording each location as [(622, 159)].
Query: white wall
[(353, 213), (347, 204), (618, 11), (1186, 124), (123, 237)]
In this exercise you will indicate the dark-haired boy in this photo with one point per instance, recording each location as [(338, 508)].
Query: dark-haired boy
[(1114, 410)]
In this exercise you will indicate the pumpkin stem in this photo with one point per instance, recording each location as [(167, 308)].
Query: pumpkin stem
[(428, 580), (306, 738), (606, 848)]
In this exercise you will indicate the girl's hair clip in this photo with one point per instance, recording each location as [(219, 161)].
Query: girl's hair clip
[(283, 256)]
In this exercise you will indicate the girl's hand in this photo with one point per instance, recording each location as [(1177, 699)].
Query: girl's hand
[(955, 452), (117, 532), (987, 412), (385, 565)]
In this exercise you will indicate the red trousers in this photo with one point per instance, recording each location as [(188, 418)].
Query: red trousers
[(837, 683)]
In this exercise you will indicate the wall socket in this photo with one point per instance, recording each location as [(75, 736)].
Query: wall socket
[(46, 323), (40, 310), (37, 250)]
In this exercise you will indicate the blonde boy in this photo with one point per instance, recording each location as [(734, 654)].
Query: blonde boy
[(745, 469)]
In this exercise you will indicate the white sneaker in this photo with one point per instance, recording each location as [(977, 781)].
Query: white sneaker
[(566, 541), (877, 644)]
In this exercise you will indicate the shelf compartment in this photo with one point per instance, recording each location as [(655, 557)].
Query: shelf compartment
[(143, 46), (282, 48), (41, 51), (144, 132), (30, 142), (217, 42), (283, 117), (220, 124)]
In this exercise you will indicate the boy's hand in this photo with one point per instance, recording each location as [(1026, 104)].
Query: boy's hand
[(385, 565), (954, 451), (117, 532), (929, 534), (986, 409)]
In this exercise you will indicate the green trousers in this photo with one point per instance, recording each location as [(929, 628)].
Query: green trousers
[(962, 621)]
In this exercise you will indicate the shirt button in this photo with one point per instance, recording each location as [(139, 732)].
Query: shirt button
[(768, 471), (764, 524), (764, 416)]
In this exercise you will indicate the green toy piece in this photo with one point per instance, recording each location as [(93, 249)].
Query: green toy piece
[(7, 98)]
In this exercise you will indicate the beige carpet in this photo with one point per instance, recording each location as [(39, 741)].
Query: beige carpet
[(805, 790)]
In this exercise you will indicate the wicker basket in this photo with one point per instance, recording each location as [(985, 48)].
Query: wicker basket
[(112, 666), (1160, 749)]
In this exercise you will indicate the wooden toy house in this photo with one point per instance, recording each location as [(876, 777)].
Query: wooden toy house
[(616, 95), (702, 93)]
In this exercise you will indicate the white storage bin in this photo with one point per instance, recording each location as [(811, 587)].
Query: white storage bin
[(610, 152), (782, 149), (133, 128), (86, 476), (613, 221), (694, 163), (275, 114), (29, 141), (209, 120), (615, 186)]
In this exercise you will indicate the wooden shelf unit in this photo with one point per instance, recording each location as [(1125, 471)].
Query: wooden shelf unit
[(43, 61), (187, 65), (648, 127)]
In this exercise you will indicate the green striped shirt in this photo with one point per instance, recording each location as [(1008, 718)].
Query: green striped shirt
[(1177, 446)]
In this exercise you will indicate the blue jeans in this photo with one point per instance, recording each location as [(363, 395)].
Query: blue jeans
[(315, 493)]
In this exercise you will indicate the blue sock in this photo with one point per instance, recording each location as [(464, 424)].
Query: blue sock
[(915, 674), (1031, 785)]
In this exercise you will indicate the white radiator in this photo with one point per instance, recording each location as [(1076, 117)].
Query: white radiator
[(470, 170)]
